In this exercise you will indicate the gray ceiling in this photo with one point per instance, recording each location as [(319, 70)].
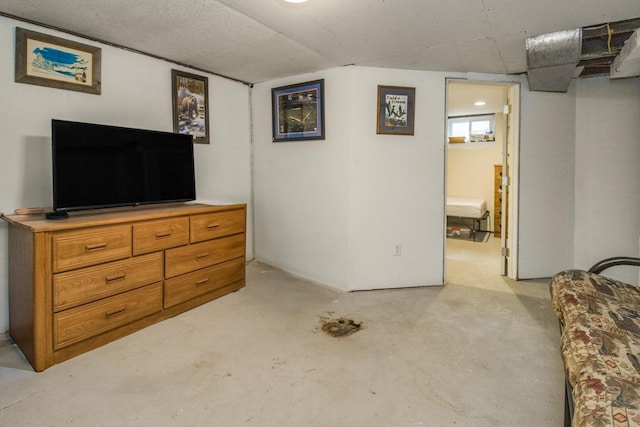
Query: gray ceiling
[(259, 40)]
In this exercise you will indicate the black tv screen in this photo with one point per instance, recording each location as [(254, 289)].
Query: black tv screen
[(99, 166)]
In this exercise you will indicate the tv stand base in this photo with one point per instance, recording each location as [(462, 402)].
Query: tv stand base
[(56, 215)]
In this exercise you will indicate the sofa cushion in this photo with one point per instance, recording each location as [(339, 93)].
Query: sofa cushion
[(600, 346)]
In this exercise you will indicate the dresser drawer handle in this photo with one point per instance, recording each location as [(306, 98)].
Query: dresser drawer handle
[(202, 281), (163, 235), (213, 225), (114, 313), (95, 247), (202, 255), (118, 276)]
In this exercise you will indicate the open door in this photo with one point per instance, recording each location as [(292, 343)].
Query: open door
[(508, 239), (501, 160), (503, 191)]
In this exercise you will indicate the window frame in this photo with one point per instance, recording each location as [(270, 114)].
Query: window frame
[(491, 117)]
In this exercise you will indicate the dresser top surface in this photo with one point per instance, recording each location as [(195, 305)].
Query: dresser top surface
[(38, 223)]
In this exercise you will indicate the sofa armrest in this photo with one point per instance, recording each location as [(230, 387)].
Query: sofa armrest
[(599, 267)]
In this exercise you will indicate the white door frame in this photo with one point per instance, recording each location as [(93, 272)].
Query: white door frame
[(510, 245)]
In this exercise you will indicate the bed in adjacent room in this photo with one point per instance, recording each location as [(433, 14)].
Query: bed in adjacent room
[(469, 211)]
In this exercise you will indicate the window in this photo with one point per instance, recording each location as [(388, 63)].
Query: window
[(473, 128)]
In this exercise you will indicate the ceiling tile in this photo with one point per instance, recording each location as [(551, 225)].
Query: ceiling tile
[(277, 56), (480, 56), (256, 40)]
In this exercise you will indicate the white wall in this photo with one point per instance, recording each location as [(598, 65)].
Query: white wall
[(301, 189), (546, 209), (333, 210), (607, 172), (136, 92), (397, 185)]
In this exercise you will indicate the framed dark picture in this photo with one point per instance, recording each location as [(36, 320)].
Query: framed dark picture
[(190, 97), (298, 111), (396, 110), (45, 60)]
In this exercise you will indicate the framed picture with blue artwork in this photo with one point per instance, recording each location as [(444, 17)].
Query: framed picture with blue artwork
[(298, 111), (46, 60)]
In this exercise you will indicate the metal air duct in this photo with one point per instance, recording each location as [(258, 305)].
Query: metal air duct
[(552, 59), (627, 63)]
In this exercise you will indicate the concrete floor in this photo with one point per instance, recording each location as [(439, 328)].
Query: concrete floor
[(481, 351)]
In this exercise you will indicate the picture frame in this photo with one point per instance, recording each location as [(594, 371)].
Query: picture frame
[(298, 112), (190, 98), (396, 110), (46, 60)]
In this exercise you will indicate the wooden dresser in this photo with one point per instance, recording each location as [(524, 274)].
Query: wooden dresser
[(498, 214), (82, 282)]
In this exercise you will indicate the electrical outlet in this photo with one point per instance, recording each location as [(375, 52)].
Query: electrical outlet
[(397, 251)]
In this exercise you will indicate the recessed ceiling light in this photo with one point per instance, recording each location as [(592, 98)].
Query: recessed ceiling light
[(480, 103), (293, 3)]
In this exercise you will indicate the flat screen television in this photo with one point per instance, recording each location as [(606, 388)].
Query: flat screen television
[(99, 166)]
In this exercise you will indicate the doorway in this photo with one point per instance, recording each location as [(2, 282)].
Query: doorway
[(480, 161)]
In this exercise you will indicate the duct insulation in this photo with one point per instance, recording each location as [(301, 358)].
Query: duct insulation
[(552, 60)]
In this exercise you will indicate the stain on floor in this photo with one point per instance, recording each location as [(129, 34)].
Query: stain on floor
[(340, 327)]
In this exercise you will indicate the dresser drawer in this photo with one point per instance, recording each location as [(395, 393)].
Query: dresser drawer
[(151, 236), (92, 283), (191, 285), (75, 249), (77, 324), (218, 224), (200, 255)]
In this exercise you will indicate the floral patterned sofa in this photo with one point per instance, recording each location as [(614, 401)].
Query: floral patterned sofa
[(600, 345)]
